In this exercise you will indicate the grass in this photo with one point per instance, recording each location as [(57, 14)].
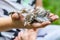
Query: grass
[(54, 7)]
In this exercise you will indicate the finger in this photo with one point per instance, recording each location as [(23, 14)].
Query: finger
[(16, 38), (40, 25), (45, 23), (53, 18), (23, 35), (20, 35)]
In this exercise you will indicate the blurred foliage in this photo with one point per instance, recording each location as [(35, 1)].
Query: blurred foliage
[(54, 7)]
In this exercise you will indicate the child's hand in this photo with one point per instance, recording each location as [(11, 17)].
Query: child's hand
[(18, 20), (27, 34)]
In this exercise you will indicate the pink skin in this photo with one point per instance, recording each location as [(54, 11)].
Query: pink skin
[(30, 34)]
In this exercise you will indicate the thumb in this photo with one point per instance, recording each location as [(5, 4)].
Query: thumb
[(15, 16)]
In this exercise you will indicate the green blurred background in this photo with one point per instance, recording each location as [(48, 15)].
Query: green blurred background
[(54, 7)]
